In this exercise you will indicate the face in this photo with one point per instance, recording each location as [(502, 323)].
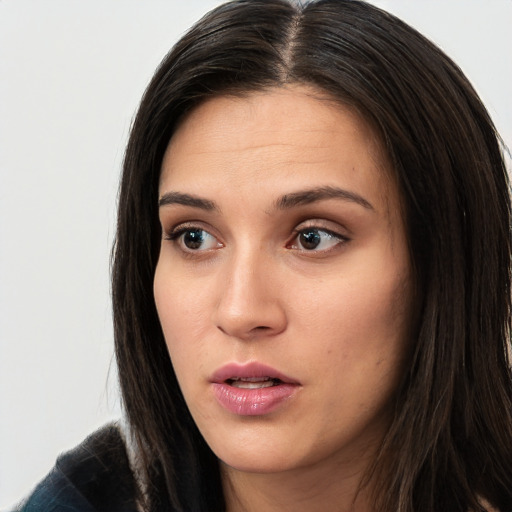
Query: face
[(283, 284)]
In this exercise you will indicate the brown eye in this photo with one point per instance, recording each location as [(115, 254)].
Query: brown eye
[(194, 239), (316, 239), (310, 239)]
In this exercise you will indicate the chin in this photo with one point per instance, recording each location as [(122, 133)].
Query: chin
[(256, 458), (265, 465)]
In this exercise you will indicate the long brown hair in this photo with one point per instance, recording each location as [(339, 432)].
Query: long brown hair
[(450, 443)]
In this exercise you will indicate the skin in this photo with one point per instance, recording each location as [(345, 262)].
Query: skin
[(335, 317)]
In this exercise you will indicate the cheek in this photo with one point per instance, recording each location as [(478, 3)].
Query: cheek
[(366, 349), (181, 311), (376, 309), (361, 323)]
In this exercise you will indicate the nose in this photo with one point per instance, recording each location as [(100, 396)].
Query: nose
[(250, 301)]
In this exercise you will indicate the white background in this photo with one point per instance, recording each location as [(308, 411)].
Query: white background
[(71, 75)]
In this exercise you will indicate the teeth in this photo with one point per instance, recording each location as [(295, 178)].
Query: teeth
[(252, 385), (252, 382), (251, 379)]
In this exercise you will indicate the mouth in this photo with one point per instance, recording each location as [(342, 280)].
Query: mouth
[(253, 382), (251, 375), (252, 389)]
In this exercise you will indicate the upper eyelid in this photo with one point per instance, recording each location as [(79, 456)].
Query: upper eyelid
[(183, 226), (323, 225), (332, 227), (335, 234), (329, 232)]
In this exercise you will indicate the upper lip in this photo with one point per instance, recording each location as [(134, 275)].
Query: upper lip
[(249, 370)]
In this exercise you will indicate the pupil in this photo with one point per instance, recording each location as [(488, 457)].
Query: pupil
[(193, 239), (310, 239)]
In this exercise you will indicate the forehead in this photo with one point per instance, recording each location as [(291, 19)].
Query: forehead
[(280, 137)]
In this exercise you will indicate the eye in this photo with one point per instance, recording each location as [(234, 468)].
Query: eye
[(194, 239), (316, 239)]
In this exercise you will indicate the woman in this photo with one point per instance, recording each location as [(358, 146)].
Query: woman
[(311, 277)]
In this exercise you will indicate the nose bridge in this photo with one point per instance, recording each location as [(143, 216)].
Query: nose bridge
[(249, 301)]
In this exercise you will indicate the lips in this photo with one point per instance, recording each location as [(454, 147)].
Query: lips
[(250, 372), (252, 389)]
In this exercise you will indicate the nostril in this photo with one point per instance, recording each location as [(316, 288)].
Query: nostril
[(249, 317)]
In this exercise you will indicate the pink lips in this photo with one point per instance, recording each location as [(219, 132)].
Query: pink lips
[(252, 389)]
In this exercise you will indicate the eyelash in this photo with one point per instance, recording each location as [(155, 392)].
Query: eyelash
[(341, 239), (175, 235)]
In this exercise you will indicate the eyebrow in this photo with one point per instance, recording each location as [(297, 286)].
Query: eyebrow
[(285, 202), (318, 194), (170, 198)]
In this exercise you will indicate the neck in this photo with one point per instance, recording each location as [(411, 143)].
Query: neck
[(298, 490)]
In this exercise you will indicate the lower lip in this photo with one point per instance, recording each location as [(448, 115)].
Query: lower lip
[(253, 402)]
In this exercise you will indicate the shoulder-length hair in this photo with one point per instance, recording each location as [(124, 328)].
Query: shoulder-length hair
[(450, 443)]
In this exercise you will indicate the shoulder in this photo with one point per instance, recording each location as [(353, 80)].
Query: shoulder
[(95, 476)]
